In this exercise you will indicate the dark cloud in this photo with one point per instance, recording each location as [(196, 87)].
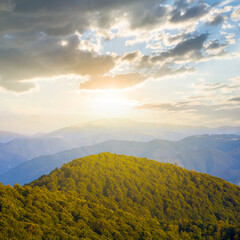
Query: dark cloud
[(61, 17), (116, 82), (214, 44), (6, 6), (69, 5), (184, 14), (218, 19), (19, 65), (130, 56), (181, 4), (236, 99), (192, 45), (145, 17)]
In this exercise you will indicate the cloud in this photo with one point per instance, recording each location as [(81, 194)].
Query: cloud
[(131, 56), (182, 13), (60, 17), (236, 13), (195, 110), (167, 70), (206, 101), (236, 99), (228, 87), (197, 107), (144, 16), (230, 38), (175, 106), (17, 87), (176, 39), (19, 65), (214, 44), (226, 25), (189, 49), (121, 81), (194, 44), (218, 19), (214, 47), (6, 6), (32, 34), (49, 59)]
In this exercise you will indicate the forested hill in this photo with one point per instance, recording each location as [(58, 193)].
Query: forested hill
[(109, 196)]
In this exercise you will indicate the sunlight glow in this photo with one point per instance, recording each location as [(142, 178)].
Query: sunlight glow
[(111, 103)]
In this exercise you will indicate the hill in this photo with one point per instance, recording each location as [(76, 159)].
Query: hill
[(213, 154), (108, 196)]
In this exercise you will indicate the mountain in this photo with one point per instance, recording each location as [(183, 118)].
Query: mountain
[(232, 175), (33, 169), (125, 129), (21, 150), (200, 153), (207, 160), (109, 196), (9, 161), (222, 142), (8, 136), (33, 147), (235, 153), (91, 133)]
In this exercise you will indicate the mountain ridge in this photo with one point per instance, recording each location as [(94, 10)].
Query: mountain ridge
[(190, 157), (94, 132)]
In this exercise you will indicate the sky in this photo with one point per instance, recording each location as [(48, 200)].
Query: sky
[(68, 61)]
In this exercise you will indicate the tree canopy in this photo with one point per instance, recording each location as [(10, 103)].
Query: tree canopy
[(110, 196)]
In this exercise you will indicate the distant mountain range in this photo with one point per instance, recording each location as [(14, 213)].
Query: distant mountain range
[(115, 197), (125, 129), (16, 149), (23, 149), (8, 136), (218, 155)]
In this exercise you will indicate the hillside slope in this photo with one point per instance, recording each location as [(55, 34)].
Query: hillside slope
[(108, 196)]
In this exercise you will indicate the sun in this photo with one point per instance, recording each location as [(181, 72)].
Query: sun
[(111, 104)]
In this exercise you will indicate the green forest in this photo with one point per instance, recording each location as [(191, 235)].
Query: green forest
[(110, 196)]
